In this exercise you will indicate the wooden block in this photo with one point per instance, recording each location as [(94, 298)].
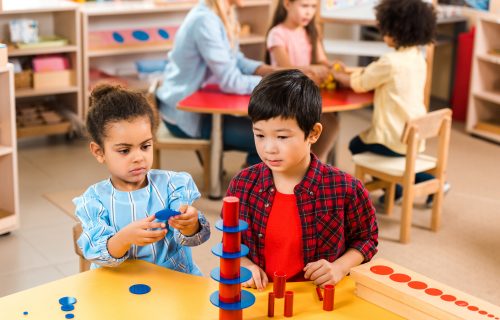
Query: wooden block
[(53, 79), (415, 296)]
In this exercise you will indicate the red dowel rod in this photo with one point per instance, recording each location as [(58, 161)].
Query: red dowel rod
[(231, 242), (230, 268), (230, 314), (270, 305), (288, 304), (230, 212), (229, 293), (329, 297)]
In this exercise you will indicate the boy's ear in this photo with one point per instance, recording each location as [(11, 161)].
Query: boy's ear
[(315, 133), (97, 151)]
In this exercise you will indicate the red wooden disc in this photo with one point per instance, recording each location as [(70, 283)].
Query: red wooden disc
[(472, 308), (400, 277), (447, 297), (418, 285), (382, 270), (433, 292), (461, 303)]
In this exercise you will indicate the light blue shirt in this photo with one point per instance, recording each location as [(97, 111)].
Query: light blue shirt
[(104, 210), (201, 51)]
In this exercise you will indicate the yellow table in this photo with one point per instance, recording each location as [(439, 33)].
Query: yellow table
[(104, 294)]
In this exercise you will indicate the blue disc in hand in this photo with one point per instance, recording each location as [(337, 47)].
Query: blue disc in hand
[(165, 214), (139, 289)]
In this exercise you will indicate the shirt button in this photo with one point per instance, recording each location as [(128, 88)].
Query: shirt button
[(260, 235), (260, 190), (311, 193), (266, 205), (272, 189)]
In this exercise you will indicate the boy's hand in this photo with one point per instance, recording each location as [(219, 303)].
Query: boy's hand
[(186, 222), (322, 272), (259, 278), (142, 232)]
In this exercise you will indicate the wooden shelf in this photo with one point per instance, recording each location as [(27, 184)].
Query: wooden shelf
[(256, 3), (43, 130), (131, 8), (5, 213), (356, 48), (22, 93), (493, 128), (493, 97), (128, 51), (5, 150), (486, 134), (47, 50)]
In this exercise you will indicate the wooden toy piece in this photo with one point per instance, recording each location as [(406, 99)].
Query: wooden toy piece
[(230, 212), (320, 295), (279, 284), (415, 296), (270, 305), (288, 304), (329, 297), (165, 214)]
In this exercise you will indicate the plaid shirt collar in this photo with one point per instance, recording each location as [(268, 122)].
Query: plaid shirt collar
[(309, 184)]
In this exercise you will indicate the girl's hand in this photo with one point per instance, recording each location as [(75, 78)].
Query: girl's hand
[(259, 278), (143, 232), (322, 272), (186, 222)]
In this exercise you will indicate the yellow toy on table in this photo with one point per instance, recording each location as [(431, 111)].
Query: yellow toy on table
[(329, 83)]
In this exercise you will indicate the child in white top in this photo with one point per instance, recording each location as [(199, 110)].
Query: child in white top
[(118, 214), (293, 41)]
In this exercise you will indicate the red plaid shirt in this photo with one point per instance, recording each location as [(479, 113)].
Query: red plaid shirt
[(334, 207)]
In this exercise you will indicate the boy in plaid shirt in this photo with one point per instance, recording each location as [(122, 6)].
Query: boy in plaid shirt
[(307, 219)]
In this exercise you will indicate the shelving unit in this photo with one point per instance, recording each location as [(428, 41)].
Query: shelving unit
[(483, 115), (120, 61), (9, 197), (54, 17)]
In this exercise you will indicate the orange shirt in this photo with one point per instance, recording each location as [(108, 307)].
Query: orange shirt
[(283, 242)]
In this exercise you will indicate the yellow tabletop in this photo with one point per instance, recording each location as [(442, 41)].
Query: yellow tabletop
[(104, 294)]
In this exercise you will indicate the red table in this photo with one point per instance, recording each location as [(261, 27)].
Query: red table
[(211, 100)]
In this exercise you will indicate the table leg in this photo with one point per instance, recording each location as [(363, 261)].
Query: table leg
[(216, 158)]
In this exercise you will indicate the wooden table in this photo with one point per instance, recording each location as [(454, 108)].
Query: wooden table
[(211, 100), (104, 294)]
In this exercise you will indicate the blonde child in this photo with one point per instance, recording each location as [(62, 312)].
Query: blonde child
[(118, 214), (293, 41), (398, 79), (307, 219)]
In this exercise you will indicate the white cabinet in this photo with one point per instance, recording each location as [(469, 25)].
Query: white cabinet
[(483, 115), (9, 197)]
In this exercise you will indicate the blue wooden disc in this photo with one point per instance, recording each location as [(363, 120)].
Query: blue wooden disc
[(217, 250), (118, 37), (163, 33), (67, 307), (139, 289), (245, 275), (67, 300), (242, 226), (140, 35), (165, 214), (247, 300), (69, 316)]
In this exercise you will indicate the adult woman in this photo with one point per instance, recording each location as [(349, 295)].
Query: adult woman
[(206, 49)]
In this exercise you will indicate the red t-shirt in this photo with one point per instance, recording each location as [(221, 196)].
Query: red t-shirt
[(283, 241)]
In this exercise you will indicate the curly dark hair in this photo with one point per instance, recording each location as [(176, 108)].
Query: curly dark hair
[(112, 103), (408, 22)]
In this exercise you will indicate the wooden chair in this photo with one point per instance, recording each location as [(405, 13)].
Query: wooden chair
[(166, 141), (390, 171), (77, 231)]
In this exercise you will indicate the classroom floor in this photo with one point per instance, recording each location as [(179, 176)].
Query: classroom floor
[(464, 254)]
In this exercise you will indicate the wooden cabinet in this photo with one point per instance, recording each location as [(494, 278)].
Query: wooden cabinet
[(9, 198), (54, 18), (483, 115), (117, 21)]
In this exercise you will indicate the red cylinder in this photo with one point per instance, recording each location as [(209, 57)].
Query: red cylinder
[(230, 268), (230, 214), (231, 242), (229, 293), (230, 314), (288, 304), (279, 284), (328, 299), (270, 305)]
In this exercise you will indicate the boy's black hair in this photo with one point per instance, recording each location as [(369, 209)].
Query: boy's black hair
[(408, 22), (288, 94), (110, 103)]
